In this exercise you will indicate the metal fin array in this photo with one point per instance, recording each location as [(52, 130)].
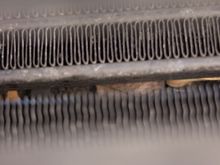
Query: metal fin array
[(109, 43), (47, 114)]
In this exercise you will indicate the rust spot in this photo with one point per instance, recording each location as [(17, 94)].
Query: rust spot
[(125, 87), (12, 95), (184, 82)]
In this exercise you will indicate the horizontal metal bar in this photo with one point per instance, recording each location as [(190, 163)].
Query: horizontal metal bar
[(117, 72)]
